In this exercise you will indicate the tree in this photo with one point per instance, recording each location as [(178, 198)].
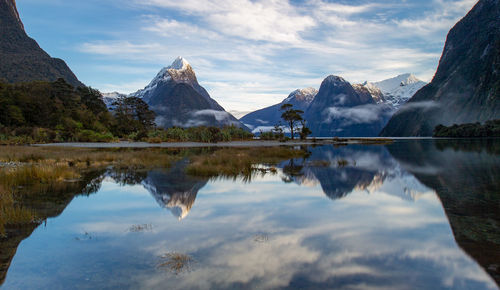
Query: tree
[(305, 131), (132, 114), (292, 118)]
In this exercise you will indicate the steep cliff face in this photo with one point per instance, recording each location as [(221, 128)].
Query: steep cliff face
[(21, 58), (340, 110), (466, 87)]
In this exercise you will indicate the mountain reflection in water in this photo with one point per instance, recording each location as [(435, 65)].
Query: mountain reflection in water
[(382, 226)]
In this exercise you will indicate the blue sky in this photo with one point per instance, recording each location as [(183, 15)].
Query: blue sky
[(247, 53)]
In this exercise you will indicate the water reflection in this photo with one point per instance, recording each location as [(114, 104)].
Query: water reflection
[(381, 226), (173, 189), (466, 177)]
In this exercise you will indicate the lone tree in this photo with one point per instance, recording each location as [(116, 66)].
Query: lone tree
[(292, 118)]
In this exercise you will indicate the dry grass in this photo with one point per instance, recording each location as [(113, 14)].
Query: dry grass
[(236, 162), (175, 262), (36, 170), (372, 141), (37, 173), (87, 157), (11, 213)]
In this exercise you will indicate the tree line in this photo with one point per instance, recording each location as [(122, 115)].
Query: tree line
[(40, 112), (471, 130)]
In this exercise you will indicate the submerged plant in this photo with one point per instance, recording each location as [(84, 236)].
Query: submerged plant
[(141, 228), (175, 262)]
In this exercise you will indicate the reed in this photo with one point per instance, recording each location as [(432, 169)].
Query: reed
[(12, 214), (235, 162)]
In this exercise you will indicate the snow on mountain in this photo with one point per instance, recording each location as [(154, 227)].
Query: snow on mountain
[(395, 91), (110, 98), (175, 70), (304, 96), (265, 119)]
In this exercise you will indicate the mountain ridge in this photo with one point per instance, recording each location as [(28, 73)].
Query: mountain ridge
[(466, 85), (179, 100), (21, 58)]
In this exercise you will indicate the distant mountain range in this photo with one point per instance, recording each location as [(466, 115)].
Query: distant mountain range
[(178, 99), (342, 109), (466, 87), (265, 119), (21, 58)]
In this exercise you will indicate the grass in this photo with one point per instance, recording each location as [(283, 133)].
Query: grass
[(88, 157), (12, 214), (175, 262), (236, 162), (35, 171)]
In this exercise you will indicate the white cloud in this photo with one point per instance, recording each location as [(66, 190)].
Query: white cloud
[(276, 21), (218, 115), (252, 54), (363, 114)]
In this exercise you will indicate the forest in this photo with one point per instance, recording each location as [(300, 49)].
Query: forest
[(43, 112)]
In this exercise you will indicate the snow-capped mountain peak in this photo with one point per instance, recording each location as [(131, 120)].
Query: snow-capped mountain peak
[(110, 98), (179, 64), (180, 71), (303, 95), (396, 91)]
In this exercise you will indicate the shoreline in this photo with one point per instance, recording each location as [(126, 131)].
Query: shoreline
[(252, 143)]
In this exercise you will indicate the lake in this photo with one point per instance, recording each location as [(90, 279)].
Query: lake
[(415, 214)]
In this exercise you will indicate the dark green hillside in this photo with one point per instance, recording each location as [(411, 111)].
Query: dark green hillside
[(53, 111), (474, 130), (21, 59)]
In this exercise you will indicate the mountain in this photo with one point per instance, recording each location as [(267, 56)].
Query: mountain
[(178, 100), (340, 110), (267, 118), (467, 186), (466, 86), (173, 189), (110, 98), (21, 59), (394, 91)]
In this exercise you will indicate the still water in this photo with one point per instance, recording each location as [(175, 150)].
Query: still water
[(410, 215)]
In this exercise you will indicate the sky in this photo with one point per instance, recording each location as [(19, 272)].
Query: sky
[(248, 54)]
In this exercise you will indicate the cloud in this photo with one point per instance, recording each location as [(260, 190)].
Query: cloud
[(118, 47), (276, 21), (252, 54), (363, 114), (218, 115), (423, 106)]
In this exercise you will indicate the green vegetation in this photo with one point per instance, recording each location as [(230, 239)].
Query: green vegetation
[(293, 118), (52, 112), (132, 116), (474, 130), (275, 134), (44, 112), (199, 134)]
